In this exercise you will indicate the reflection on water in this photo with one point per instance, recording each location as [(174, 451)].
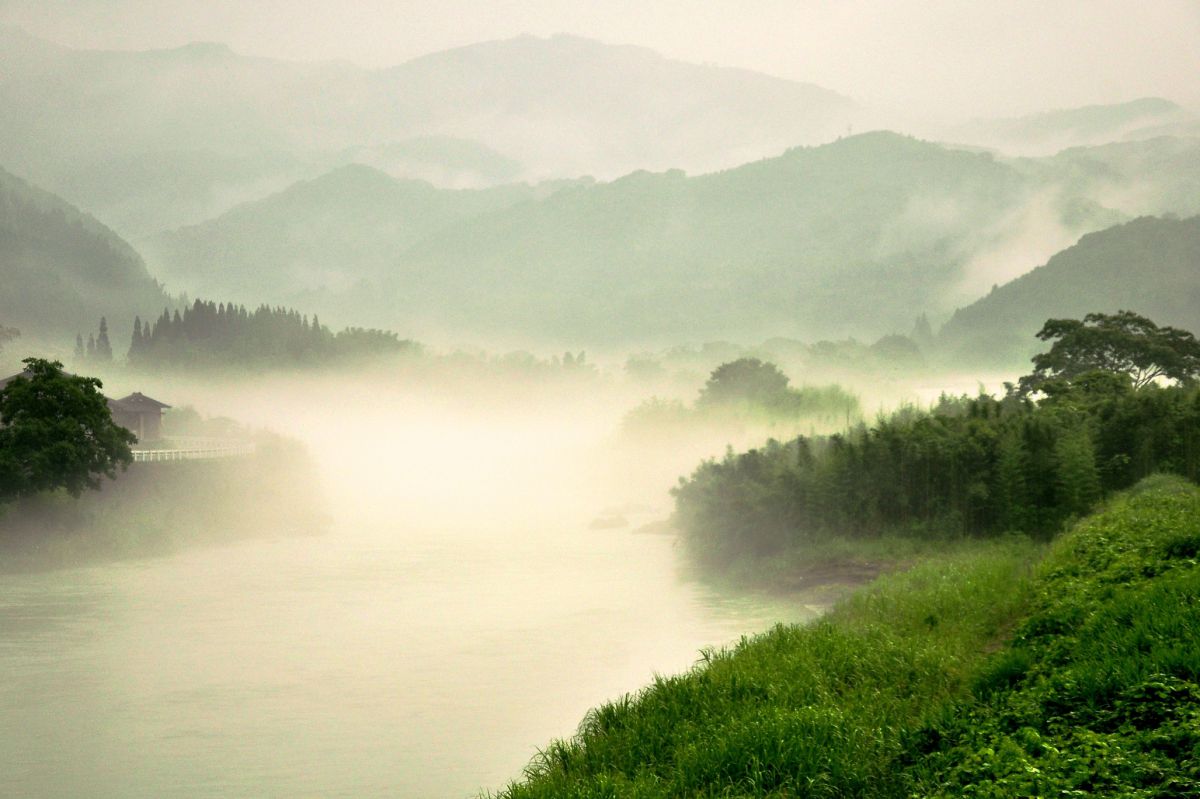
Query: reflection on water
[(365, 663)]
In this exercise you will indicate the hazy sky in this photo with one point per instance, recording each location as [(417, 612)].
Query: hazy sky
[(963, 56)]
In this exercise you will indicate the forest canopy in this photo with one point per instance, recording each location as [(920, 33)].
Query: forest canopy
[(210, 333)]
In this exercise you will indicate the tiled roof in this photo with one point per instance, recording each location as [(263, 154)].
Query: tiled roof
[(138, 402)]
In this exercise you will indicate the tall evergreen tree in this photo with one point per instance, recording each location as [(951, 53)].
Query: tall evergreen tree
[(103, 345)]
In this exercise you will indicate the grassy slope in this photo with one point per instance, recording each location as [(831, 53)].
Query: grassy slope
[(918, 685)]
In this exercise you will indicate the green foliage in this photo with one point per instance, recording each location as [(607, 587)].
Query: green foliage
[(1123, 344), (1099, 691), (745, 380), (744, 393), (967, 676), (56, 432), (208, 334), (967, 467), (818, 710)]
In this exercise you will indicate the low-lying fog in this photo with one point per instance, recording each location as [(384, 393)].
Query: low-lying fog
[(481, 585), (462, 610)]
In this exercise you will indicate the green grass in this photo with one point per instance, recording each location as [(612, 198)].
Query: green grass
[(990, 671), (1099, 691), (817, 710)]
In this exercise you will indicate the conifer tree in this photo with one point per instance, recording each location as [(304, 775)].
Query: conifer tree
[(103, 345)]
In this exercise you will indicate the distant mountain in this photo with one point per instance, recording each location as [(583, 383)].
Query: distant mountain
[(152, 140), (322, 235), (444, 161), (1149, 177), (1051, 131), (61, 270), (568, 106), (1149, 265), (851, 238)]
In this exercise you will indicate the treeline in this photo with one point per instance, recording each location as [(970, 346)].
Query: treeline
[(966, 467), (747, 390), (209, 333)]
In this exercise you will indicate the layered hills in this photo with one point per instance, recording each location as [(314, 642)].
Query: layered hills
[(1149, 265), (874, 227), (156, 139), (62, 269)]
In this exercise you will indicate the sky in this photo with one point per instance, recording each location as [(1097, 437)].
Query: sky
[(953, 58)]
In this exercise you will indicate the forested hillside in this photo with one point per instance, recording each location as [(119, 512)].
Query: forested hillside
[(62, 270), (1149, 265), (330, 233), (854, 237)]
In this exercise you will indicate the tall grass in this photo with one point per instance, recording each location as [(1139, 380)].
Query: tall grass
[(818, 710), (1099, 691), (985, 672)]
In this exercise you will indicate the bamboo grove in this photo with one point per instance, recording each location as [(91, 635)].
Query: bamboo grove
[(966, 467)]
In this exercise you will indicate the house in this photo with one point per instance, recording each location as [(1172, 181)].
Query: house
[(137, 413)]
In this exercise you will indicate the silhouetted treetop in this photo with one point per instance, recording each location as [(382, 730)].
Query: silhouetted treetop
[(1124, 343)]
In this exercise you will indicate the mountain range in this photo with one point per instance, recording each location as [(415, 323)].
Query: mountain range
[(876, 227), (156, 139), (1049, 132)]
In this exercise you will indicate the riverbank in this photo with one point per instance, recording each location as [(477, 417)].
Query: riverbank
[(157, 508), (1007, 668)]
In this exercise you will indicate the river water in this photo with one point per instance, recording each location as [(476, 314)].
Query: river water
[(455, 618)]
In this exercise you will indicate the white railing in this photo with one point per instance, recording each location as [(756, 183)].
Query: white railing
[(194, 449)]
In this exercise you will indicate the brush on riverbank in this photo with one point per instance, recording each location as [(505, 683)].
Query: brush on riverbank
[(971, 674)]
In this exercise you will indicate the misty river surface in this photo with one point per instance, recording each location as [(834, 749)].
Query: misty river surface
[(389, 657)]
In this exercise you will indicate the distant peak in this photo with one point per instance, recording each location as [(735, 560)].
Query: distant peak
[(205, 49)]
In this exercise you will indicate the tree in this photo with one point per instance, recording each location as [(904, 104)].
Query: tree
[(1122, 343), (56, 431), (103, 345), (745, 380)]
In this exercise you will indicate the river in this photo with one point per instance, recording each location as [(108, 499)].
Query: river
[(455, 618)]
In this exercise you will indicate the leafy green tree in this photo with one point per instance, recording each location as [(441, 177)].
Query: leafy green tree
[(745, 380), (1121, 343), (56, 431)]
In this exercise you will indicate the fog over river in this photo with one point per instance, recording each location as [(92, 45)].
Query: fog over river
[(460, 613)]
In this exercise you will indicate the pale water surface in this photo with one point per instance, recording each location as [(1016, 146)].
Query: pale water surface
[(408, 653)]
